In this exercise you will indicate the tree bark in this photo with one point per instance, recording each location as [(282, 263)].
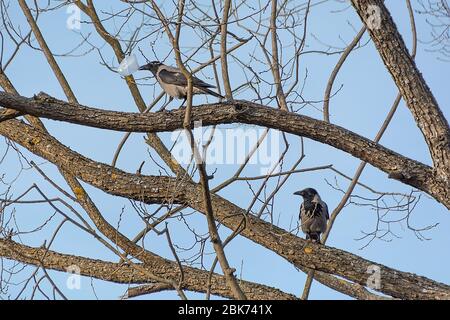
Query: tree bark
[(160, 189), (410, 82), (395, 165), (195, 279)]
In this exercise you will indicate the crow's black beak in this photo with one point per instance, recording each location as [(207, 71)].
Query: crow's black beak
[(144, 67), (299, 193)]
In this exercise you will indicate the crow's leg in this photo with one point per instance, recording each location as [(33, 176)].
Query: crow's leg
[(184, 101), (166, 104)]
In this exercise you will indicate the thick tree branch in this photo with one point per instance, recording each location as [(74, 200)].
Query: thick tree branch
[(158, 189), (410, 82), (196, 279), (188, 193), (7, 114), (395, 165)]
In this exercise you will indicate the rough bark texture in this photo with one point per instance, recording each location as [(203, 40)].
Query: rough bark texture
[(412, 85), (157, 189), (395, 165), (162, 274), (196, 279)]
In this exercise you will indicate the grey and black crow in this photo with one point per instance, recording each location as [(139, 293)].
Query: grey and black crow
[(174, 83), (313, 214)]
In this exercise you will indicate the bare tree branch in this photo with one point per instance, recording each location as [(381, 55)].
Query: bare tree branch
[(398, 167), (160, 189), (412, 85), (125, 273)]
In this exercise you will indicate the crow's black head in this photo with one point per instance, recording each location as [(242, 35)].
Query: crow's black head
[(307, 193), (151, 66)]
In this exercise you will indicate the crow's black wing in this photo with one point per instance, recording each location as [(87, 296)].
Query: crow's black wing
[(200, 83), (302, 211), (312, 209), (325, 210), (171, 77), (178, 79)]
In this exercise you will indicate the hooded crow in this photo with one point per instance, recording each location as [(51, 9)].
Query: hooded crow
[(174, 83), (313, 214)]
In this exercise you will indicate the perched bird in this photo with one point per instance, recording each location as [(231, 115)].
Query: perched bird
[(174, 83), (313, 214)]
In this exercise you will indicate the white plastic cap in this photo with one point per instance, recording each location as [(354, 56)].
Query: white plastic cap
[(128, 66)]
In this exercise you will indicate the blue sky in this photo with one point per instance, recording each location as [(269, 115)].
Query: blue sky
[(361, 106)]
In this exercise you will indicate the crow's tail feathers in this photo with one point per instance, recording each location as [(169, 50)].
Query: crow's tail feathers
[(215, 94)]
